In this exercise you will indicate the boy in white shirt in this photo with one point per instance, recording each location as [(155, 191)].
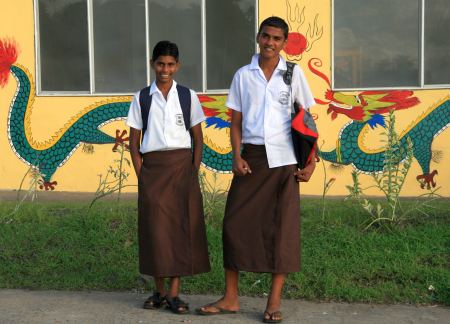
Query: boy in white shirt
[(261, 230), (171, 227)]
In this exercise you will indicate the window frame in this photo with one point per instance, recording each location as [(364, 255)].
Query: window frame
[(421, 49), (90, 19)]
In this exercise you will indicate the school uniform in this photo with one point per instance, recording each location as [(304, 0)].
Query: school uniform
[(261, 229), (171, 227)]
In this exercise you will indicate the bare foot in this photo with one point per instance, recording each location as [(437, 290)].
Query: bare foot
[(272, 317), (221, 306)]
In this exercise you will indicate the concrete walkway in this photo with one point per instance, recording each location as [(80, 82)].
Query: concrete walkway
[(23, 306)]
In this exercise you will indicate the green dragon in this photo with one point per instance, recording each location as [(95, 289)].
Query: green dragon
[(366, 110), (350, 148), (83, 128)]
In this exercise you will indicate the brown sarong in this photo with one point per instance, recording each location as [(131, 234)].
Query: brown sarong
[(171, 225), (261, 228)]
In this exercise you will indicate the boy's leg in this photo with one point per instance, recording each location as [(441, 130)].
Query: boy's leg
[(174, 287), (159, 285), (230, 300), (231, 297), (274, 300), (175, 303)]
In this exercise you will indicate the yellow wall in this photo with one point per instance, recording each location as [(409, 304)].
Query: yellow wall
[(80, 173)]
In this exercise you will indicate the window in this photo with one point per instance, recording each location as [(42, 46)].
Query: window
[(104, 46), (391, 44)]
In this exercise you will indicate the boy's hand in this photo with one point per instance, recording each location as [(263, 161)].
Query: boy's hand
[(305, 174), (240, 166)]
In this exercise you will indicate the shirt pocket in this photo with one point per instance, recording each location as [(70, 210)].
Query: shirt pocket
[(280, 98)]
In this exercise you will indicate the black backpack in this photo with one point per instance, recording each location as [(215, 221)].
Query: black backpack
[(303, 128)]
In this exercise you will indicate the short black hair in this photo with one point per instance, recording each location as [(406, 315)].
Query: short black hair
[(276, 22), (163, 48)]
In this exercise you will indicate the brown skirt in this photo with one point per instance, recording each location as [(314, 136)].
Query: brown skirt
[(171, 225), (261, 229)]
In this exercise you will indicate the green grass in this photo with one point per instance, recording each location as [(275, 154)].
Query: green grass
[(65, 246)]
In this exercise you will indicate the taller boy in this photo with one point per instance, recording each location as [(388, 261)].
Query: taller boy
[(262, 217)]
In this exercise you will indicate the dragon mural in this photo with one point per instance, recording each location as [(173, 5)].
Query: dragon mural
[(84, 127), (366, 111)]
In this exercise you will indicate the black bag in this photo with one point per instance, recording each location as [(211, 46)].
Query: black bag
[(303, 128)]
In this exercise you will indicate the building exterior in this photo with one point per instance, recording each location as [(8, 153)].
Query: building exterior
[(68, 70)]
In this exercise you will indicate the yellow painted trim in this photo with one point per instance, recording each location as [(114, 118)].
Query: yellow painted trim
[(338, 151)]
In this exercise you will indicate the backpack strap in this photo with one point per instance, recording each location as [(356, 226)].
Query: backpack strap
[(287, 76), (145, 101), (184, 97)]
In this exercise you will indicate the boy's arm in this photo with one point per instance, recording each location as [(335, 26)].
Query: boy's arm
[(240, 166), (135, 144), (197, 136)]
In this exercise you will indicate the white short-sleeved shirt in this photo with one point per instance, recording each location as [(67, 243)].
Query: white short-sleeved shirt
[(266, 108), (165, 126)]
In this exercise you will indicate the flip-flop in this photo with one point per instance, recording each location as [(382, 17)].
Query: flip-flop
[(221, 311), (271, 315)]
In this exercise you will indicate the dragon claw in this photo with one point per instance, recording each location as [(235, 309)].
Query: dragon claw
[(120, 140), (48, 185), (427, 179)]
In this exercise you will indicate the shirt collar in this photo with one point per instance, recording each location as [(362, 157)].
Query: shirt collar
[(254, 65), (154, 88)]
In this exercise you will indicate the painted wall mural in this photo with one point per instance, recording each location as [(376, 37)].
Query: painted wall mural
[(50, 133)]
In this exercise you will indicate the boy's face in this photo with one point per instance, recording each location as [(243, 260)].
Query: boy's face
[(271, 41), (165, 66)]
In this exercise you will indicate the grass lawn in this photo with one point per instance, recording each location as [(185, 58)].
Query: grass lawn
[(56, 245)]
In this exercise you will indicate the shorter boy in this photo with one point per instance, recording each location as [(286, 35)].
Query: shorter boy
[(171, 227)]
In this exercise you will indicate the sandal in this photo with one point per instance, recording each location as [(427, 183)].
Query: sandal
[(176, 305), (155, 301), (271, 318)]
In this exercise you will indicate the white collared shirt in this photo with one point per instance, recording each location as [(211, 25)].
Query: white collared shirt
[(165, 126), (266, 108)]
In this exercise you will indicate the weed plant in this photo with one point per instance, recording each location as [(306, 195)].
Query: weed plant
[(390, 182), (116, 176), (214, 196)]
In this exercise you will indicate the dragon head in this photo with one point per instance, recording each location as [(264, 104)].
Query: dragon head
[(348, 105), (368, 106)]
